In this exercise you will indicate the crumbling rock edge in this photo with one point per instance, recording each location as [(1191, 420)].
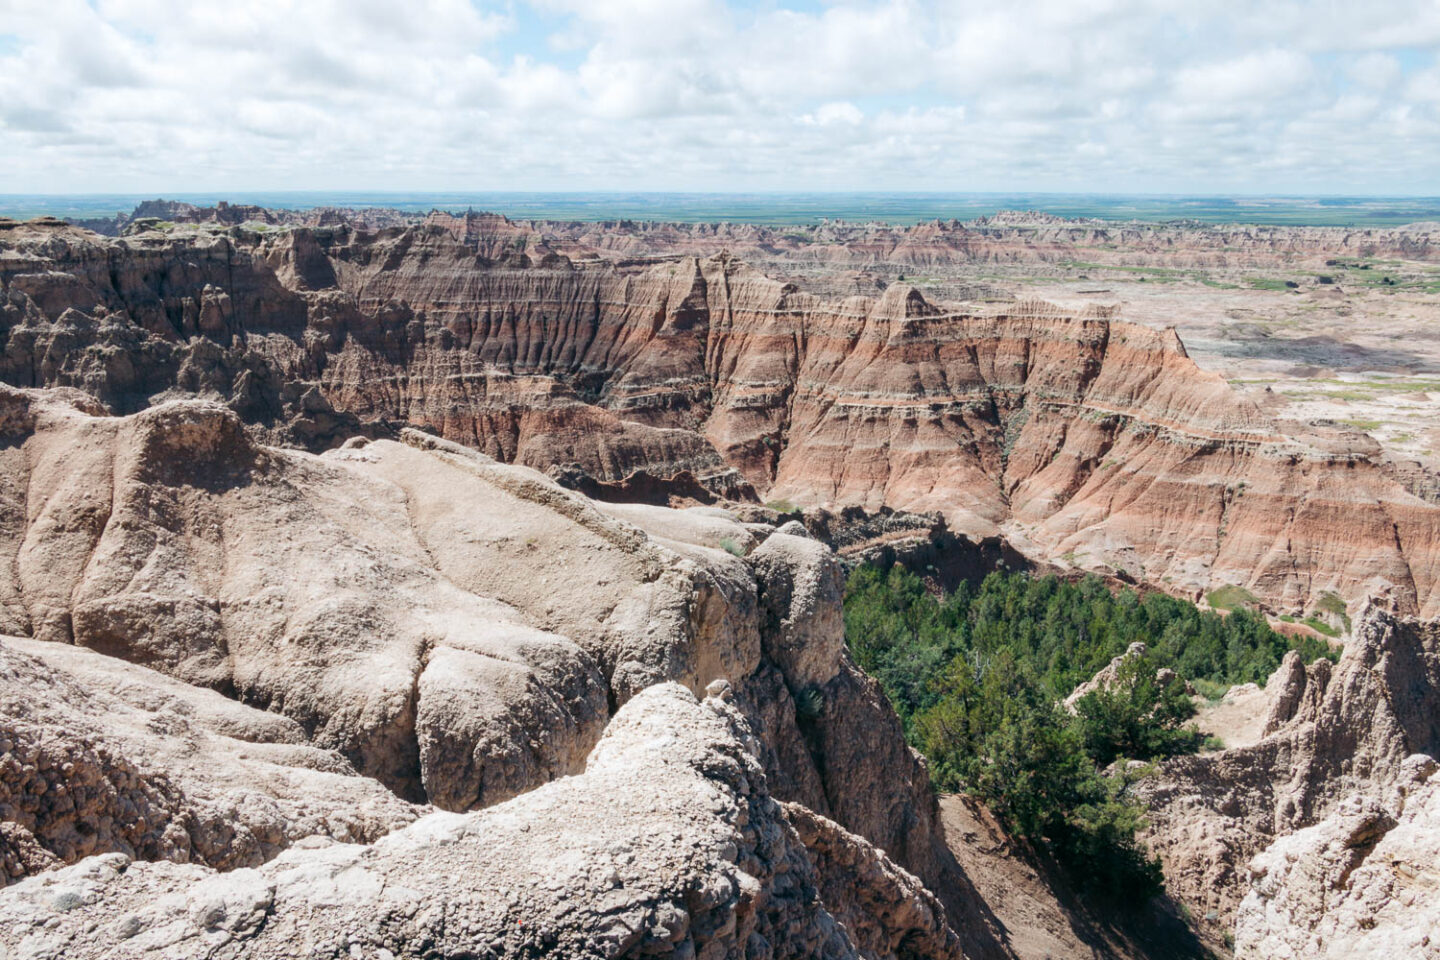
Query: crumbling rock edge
[(241, 644), (700, 862), (1318, 840)]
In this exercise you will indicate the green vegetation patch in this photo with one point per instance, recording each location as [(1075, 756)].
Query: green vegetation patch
[(1231, 598), (978, 677), (1332, 603), (1268, 283), (1209, 689)]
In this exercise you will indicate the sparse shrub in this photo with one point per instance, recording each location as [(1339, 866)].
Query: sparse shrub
[(1332, 603), (730, 546), (810, 703), (1231, 598), (1209, 689)]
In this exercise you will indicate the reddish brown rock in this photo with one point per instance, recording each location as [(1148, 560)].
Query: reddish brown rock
[(1074, 436)]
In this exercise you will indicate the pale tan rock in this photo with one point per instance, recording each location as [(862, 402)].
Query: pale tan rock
[(406, 613), (885, 911), (701, 862), (97, 755), (1360, 883), (801, 583), (1340, 736)]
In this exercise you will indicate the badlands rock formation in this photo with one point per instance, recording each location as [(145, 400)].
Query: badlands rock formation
[(700, 861), (1011, 237), (1006, 237), (1361, 883), (233, 657), (297, 625), (1318, 839), (1074, 436)]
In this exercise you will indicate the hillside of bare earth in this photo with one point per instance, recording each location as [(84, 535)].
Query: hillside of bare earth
[(1038, 909), (1085, 441), (1314, 323)]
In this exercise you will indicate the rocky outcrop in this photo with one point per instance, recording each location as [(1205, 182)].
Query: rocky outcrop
[(886, 911), (1105, 678), (97, 755), (1073, 436), (1361, 882), (699, 861), (1344, 742), (252, 651)]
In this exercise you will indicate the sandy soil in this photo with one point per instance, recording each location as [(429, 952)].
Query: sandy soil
[(1238, 718), (1038, 916)]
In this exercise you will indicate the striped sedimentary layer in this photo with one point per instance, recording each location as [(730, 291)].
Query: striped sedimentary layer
[(1079, 437)]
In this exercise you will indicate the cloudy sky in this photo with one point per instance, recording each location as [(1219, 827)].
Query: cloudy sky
[(717, 95)]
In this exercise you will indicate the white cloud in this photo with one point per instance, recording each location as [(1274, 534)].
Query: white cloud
[(1243, 81), (837, 112), (1375, 71), (171, 95)]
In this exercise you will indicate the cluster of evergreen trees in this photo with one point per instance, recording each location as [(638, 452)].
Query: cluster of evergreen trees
[(978, 676)]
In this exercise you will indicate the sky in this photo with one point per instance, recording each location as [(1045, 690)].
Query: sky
[(1110, 96)]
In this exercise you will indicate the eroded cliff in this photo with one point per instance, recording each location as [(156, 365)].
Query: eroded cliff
[(234, 652), (1274, 833), (1075, 436)]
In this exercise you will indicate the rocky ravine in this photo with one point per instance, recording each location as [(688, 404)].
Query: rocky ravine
[(1077, 437), (225, 653), (401, 697)]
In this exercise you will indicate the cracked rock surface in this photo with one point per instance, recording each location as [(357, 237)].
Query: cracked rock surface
[(250, 692), (700, 863)]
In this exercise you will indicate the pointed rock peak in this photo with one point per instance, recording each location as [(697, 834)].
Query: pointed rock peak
[(900, 301), (1173, 341)]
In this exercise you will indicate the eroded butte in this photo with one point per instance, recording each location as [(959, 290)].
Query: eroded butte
[(1084, 440)]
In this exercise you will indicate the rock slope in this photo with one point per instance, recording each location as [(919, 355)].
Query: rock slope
[(1275, 833), (1361, 883), (700, 862), (1075, 436), (248, 652)]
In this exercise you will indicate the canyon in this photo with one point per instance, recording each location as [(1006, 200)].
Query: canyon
[(347, 554), (1080, 439)]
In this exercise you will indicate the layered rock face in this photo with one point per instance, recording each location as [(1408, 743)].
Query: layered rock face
[(1006, 237), (1300, 836), (227, 652), (1075, 436)]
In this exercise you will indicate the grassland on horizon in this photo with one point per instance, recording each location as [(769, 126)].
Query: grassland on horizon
[(782, 209)]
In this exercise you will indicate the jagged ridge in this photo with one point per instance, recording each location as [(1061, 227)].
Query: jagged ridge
[(1075, 436)]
